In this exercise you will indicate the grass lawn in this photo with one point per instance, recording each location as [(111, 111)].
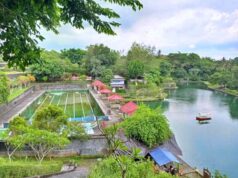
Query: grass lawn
[(27, 166), (16, 92)]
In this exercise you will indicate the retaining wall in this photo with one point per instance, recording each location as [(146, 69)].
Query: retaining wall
[(4, 108)]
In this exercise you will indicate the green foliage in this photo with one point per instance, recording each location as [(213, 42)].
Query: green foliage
[(21, 23), (47, 71), (106, 75), (4, 88), (50, 118), (109, 168), (104, 54), (42, 142), (135, 69), (75, 55), (218, 174), (140, 52), (165, 68), (27, 169), (147, 125)]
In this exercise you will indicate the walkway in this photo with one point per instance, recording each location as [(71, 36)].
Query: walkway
[(114, 116), (80, 172), (22, 104)]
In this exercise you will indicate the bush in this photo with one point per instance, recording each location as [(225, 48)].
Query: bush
[(147, 125), (109, 168), (21, 169)]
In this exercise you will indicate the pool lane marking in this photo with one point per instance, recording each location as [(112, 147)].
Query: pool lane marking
[(74, 104), (59, 101), (82, 104), (38, 107), (52, 99), (65, 105), (89, 104)]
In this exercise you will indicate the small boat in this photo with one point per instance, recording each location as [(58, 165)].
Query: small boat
[(203, 117)]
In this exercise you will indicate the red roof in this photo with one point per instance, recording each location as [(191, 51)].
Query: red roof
[(105, 91), (115, 97), (129, 108), (98, 83)]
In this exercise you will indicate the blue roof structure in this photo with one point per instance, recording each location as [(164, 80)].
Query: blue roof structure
[(162, 156)]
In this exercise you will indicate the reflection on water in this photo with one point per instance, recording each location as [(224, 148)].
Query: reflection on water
[(211, 144)]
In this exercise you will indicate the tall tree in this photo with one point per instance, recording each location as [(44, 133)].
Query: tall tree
[(140, 52), (75, 55), (135, 69), (21, 20)]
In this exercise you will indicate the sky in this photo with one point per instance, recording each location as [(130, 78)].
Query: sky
[(206, 27)]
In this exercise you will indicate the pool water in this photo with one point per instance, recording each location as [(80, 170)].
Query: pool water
[(75, 104)]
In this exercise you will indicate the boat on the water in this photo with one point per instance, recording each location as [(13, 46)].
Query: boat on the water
[(203, 117)]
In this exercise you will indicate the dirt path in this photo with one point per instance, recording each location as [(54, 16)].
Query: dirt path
[(80, 172)]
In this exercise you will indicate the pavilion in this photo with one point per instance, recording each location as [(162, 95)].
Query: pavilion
[(98, 85), (129, 108)]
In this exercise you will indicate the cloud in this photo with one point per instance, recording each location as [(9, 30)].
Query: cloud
[(171, 26)]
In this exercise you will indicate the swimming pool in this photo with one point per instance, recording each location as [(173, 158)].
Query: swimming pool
[(77, 105)]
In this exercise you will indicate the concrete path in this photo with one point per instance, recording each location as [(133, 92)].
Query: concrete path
[(80, 172), (22, 104)]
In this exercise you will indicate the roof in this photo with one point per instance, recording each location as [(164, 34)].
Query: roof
[(161, 156), (118, 77), (115, 97), (98, 83), (129, 108), (105, 91)]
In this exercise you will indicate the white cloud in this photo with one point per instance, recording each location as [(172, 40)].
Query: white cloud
[(185, 28)]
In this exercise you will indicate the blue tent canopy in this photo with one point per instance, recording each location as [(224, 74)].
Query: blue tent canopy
[(162, 156)]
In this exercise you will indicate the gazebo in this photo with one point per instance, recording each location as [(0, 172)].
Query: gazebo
[(129, 108), (105, 91), (115, 97), (98, 85)]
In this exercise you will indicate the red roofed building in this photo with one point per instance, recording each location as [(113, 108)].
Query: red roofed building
[(129, 108), (98, 85), (115, 97), (105, 91)]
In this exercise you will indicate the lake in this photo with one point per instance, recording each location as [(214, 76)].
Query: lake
[(213, 145)]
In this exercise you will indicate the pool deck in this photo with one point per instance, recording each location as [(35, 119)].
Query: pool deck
[(18, 108)]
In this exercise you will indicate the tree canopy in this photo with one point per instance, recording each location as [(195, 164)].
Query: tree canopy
[(147, 125), (21, 21)]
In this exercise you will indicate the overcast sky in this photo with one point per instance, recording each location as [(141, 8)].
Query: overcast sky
[(206, 27)]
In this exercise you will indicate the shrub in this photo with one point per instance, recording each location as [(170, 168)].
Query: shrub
[(147, 125), (109, 168), (21, 169)]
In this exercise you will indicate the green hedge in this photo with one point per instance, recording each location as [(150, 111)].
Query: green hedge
[(20, 170)]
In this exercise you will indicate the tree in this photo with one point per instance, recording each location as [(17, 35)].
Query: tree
[(47, 71), (75, 55), (14, 139), (106, 75), (21, 21), (4, 88), (50, 118), (135, 69), (165, 69), (147, 125), (94, 67), (23, 80), (140, 52), (104, 54), (43, 142)]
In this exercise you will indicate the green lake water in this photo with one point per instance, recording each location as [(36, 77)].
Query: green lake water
[(213, 145)]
